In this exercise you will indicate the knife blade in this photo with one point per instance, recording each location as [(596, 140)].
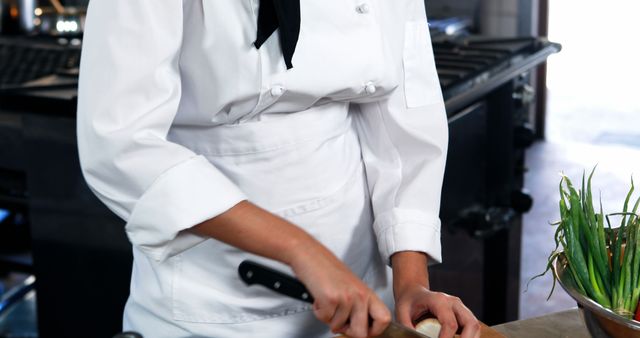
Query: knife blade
[(253, 273)]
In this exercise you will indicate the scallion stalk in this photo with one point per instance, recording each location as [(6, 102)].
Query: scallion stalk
[(604, 264)]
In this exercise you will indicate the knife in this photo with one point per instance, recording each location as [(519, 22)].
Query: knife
[(253, 273)]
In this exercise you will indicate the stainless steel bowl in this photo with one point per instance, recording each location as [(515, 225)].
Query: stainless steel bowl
[(601, 322)]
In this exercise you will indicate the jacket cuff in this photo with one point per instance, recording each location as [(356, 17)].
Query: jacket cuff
[(408, 230), (183, 196)]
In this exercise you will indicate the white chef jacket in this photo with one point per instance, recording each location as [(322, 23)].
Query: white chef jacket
[(158, 75)]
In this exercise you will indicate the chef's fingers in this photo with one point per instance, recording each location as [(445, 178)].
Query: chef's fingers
[(466, 319), (403, 314), (380, 316), (359, 322), (340, 319), (324, 310), (445, 314)]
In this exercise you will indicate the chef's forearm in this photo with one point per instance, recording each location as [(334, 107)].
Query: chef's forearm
[(253, 229), (409, 269)]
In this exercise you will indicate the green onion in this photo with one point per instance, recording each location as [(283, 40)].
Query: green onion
[(604, 264)]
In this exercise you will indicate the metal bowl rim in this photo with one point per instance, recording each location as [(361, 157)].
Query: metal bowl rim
[(589, 303)]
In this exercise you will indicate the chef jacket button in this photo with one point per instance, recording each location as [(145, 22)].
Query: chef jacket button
[(362, 9), (277, 90), (370, 88)]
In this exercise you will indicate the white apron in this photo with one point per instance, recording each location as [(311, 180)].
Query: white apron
[(305, 167)]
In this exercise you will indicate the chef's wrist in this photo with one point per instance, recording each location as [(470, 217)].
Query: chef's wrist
[(301, 249), (295, 249), (410, 269)]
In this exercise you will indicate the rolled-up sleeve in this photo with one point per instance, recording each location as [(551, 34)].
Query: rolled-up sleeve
[(129, 94), (404, 144)]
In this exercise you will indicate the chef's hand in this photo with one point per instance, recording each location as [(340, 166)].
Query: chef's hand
[(342, 300), (414, 299)]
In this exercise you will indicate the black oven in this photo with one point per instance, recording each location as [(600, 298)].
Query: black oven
[(486, 85)]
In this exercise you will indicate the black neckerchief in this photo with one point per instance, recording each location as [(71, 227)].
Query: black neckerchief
[(283, 14)]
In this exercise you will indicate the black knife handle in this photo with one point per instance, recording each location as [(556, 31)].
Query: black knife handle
[(256, 273)]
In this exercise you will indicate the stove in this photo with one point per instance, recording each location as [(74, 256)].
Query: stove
[(472, 66), (486, 84)]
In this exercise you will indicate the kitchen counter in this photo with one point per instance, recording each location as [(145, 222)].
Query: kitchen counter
[(565, 324)]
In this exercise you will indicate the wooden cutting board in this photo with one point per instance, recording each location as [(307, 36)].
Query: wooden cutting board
[(485, 332)]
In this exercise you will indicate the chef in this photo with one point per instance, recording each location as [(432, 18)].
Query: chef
[(307, 135)]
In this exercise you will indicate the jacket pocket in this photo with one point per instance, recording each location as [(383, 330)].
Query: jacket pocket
[(206, 287), (421, 84)]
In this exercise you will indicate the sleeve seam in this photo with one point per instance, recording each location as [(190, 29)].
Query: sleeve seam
[(165, 173), (388, 227)]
